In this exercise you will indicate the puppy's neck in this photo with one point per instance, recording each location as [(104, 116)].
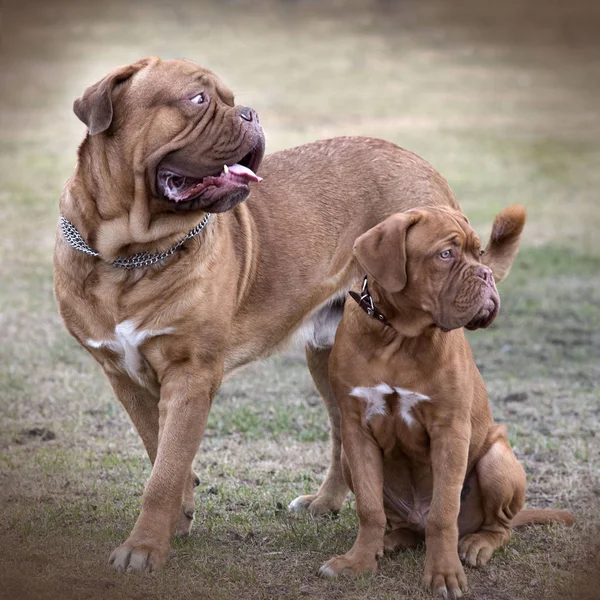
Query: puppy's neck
[(409, 327)]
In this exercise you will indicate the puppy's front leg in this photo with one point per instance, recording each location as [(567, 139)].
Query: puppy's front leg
[(444, 573), (363, 456), (185, 399)]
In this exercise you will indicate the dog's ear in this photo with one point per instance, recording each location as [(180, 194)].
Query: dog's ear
[(95, 106), (504, 241), (381, 251)]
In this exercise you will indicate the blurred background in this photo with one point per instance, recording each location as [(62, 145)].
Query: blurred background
[(501, 97)]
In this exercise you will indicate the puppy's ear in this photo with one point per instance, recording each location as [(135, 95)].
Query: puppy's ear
[(504, 241), (381, 251), (95, 106)]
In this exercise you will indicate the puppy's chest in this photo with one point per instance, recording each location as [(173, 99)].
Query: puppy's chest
[(395, 415)]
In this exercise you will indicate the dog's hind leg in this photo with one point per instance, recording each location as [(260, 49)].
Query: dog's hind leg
[(501, 485), (333, 490)]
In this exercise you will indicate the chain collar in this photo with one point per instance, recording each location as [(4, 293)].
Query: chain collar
[(141, 259), (365, 301)]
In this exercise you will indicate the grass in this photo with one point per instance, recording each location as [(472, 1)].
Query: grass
[(502, 99)]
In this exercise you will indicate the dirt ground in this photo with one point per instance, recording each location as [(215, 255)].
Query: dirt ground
[(501, 97)]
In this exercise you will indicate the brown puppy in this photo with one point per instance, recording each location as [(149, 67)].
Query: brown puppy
[(420, 449)]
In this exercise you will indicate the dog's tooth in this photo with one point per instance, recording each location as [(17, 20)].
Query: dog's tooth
[(225, 169)]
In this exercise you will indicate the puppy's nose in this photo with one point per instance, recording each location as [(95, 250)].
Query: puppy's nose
[(248, 114), (485, 273)]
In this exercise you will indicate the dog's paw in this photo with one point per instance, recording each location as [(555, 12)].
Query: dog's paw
[(185, 521), (131, 557), (349, 564), (477, 549), (445, 578), (401, 539), (186, 516), (315, 504)]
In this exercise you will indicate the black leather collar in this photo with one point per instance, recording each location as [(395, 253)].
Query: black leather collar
[(365, 301)]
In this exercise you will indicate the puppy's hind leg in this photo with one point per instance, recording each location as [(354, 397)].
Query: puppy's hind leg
[(501, 482)]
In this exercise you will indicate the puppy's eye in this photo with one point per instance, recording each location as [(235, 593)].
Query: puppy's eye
[(446, 254), (198, 99)]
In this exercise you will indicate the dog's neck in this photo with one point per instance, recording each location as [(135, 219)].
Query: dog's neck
[(116, 221)]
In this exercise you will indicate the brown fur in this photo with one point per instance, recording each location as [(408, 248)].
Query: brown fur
[(434, 465), (256, 275)]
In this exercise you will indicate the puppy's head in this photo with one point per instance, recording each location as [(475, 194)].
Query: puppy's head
[(431, 260), (177, 125)]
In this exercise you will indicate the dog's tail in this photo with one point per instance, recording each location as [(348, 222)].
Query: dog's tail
[(504, 241), (539, 515)]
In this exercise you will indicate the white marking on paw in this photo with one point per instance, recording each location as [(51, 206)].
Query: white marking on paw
[(374, 399), (327, 571), (127, 343), (296, 505), (408, 399)]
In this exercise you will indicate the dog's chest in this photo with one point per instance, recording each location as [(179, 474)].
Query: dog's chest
[(123, 351)]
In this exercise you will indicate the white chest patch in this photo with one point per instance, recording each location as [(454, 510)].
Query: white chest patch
[(408, 399), (376, 404), (126, 344)]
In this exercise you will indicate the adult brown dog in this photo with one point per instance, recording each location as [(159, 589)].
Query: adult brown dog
[(420, 449), (166, 146)]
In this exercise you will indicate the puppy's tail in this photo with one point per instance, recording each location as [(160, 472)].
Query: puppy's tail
[(539, 515), (504, 241)]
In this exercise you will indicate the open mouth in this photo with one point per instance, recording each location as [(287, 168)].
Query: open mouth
[(178, 188)]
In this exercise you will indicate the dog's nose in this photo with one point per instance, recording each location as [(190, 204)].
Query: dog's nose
[(248, 114), (484, 273)]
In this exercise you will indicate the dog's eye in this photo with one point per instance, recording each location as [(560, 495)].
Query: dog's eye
[(198, 99), (446, 254)]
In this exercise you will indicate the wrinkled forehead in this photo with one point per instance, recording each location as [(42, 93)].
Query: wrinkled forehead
[(178, 79), (442, 228)]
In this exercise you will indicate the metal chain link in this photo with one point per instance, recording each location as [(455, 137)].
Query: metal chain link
[(141, 259)]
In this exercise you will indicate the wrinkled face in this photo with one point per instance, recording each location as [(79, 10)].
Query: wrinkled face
[(445, 275), (200, 151)]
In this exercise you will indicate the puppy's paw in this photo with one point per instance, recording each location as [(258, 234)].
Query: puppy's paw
[(316, 504), (477, 549), (135, 557), (349, 564), (445, 578)]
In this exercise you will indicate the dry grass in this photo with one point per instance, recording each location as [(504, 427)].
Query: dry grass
[(502, 99)]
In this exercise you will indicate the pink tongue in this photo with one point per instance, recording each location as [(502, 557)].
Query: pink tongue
[(242, 171)]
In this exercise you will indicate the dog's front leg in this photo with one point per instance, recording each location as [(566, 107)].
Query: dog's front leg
[(444, 574), (363, 456), (185, 398), (142, 407)]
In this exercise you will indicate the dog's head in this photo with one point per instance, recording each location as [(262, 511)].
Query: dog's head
[(431, 260), (176, 124)]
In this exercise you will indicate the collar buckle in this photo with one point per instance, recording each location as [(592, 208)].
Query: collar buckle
[(365, 301)]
